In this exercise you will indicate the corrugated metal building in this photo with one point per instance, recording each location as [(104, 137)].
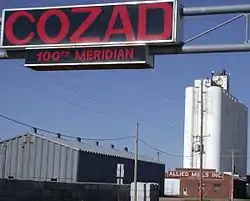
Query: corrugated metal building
[(36, 157)]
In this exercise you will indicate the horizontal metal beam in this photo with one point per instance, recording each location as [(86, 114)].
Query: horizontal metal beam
[(186, 49), (196, 49), (213, 10), (191, 49)]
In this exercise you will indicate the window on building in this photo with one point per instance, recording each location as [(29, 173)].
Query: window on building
[(185, 191), (217, 187)]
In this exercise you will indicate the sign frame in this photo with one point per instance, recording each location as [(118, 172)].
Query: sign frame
[(125, 65), (175, 39)]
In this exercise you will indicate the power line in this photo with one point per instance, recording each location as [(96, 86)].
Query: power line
[(27, 125), (78, 89), (58, 133), (161, 151), (182, 156)]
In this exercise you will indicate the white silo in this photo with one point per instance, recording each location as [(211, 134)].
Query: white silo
[(224, 126), (188, 134), (213, 135)]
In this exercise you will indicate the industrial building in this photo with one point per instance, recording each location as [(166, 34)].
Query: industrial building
[(184, 183), (46, 158), (224, 124)]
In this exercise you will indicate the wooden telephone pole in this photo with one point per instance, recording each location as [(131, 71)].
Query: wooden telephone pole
[(201, 144), (232, 179), (136, 161)]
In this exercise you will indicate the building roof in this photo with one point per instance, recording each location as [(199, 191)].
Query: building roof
[(91, 148)]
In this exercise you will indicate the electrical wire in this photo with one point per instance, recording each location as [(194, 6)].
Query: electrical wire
[(182, 156), (27, 125), (104, 139), (161, 151), (77, 90), (57, 133)]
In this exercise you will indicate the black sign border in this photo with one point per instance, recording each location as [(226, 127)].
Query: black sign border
[(147, 64), (175, 26)]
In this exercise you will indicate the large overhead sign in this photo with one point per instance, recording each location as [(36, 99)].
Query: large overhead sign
[(152, 23)]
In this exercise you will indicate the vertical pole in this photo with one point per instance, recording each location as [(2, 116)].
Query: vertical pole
[(232, 181), (3, 151), (158, 156), (136, 161), (201, 144), (118, 192), (247, 27)]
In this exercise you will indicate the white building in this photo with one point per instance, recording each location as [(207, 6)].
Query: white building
[(224, 126)]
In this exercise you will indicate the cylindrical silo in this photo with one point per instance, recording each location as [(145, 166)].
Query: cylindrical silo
[(188, 126), (214, 114)]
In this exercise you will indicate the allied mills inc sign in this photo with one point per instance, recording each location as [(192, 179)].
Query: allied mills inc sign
[(195, 174)]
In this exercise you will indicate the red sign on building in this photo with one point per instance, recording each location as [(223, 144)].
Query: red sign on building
[(195, 174)]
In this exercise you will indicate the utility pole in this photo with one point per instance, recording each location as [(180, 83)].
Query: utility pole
[(232, 179), (158, 156), (201, 143), (136, 161)]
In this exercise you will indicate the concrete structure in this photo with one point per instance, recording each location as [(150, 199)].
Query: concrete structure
[(225, 122), (46, 158)]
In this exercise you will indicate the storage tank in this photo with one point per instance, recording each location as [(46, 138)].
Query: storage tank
[(213, 113), (188, 126), (225, 122)]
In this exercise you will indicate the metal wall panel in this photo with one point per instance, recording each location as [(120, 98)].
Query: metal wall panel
[(48, 191), (103, 168), (34, 158), (234, 134)]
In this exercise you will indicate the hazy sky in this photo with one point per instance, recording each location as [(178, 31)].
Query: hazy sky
[(107, 104)]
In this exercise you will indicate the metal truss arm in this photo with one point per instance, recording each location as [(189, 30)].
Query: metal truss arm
[(213, 10), (198, 49), (214, 28), (215, 48)]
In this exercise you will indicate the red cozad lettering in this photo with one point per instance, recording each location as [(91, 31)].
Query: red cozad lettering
[(119, 12), (41, 25), (122, 13), (167, 22), (9, 28), (94, 13)]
